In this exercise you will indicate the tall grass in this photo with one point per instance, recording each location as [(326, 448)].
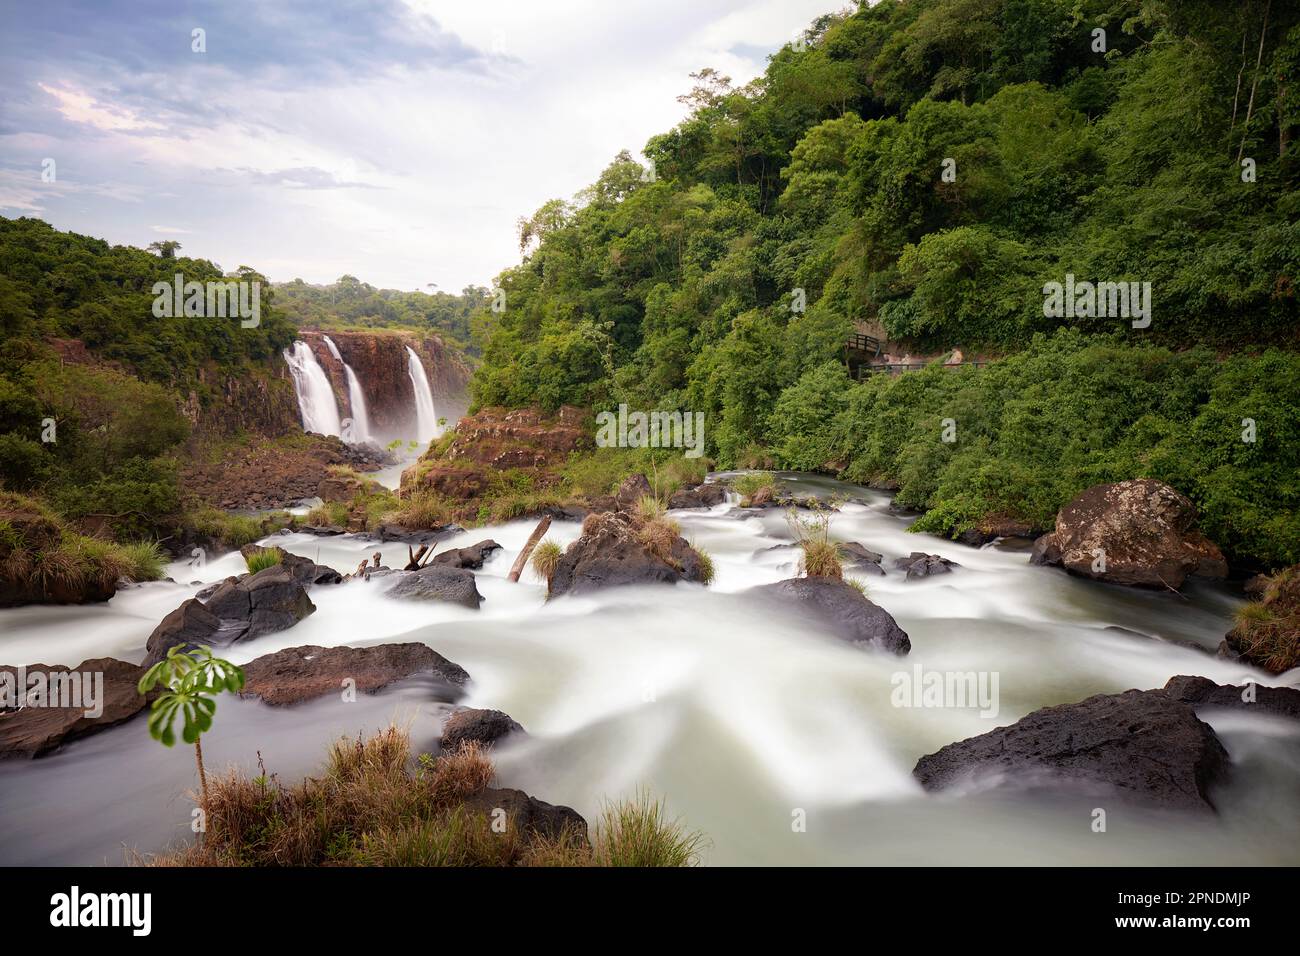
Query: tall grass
[(636, 832), (372, 805)]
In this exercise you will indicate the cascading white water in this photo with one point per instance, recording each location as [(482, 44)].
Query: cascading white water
[(316, 403), (356, 398), (426, 416), (732, 710)]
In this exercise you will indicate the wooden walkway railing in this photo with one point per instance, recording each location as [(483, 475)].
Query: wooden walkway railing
[(860, 349)]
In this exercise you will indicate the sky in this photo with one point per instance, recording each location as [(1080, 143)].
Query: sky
[(398, 141)]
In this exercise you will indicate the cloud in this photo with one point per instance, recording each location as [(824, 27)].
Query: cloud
[(397, 141)]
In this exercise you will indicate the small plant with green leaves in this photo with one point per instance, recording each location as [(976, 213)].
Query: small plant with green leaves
[(190, 681)]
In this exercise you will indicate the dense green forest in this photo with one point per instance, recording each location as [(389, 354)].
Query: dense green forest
[(921, 169), (350, 303), (100, 437)]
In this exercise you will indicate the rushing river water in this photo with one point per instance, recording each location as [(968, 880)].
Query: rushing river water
[(743, 719)]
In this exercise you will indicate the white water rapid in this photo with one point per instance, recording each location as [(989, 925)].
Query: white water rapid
[(735, 714)]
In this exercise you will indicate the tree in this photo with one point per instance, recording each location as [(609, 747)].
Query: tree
[(191, 680), (165, 248)]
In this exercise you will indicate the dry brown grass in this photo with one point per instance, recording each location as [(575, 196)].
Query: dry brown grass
[(658, 537), (373, 805), (1267, 631)]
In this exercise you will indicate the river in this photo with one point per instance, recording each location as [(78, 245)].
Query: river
[(745, 721)]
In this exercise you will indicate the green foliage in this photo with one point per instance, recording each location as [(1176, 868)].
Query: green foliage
[(263, 558), (825, 178), (350, 303), (190, 682)]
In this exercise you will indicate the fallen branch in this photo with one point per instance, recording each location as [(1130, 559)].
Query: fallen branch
[(541, 529)]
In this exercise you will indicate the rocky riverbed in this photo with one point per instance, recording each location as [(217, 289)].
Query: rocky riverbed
[(752, 704)]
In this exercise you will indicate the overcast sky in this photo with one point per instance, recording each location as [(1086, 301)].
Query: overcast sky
[(396, 140)]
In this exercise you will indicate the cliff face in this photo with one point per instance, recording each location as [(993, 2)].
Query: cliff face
[(263, 403), (380, 362)]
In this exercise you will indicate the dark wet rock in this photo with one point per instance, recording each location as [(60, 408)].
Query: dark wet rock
[(305, 571), (485, 727), (1143, 530), (396, 532), (528, 814), (33, 730), (611, 553), (1201, 691), (841, 609), (994, 527), (301, 673), (861, 559), (707, 495), (1145, 746), (190, 625), (237, 609), (268, 601), (631, 491), (472, 556), (437, 582), (918, 564), (323, 531)]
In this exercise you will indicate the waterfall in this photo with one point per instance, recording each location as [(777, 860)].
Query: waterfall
[(426, 417), (320, 412), (360, 430)]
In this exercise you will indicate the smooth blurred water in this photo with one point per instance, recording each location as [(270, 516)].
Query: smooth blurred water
[(742, 716)]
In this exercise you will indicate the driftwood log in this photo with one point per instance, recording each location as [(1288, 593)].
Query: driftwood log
[(541, 529)]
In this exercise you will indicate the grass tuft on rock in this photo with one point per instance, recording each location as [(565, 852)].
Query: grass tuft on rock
[(263, 558), (546, 558)]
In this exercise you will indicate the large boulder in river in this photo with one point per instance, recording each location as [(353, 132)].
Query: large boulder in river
[(617, 549), (484, 727), (305, 571), (918, 564), (707, 495), (841, 610), (631, 491), (861, 559), (1203, 692), (1267, 631), (471, 557), (270, 600), (1144, 746), (1136, 532), (437, 582), (301, 673), (239, 609), (102, 692)]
